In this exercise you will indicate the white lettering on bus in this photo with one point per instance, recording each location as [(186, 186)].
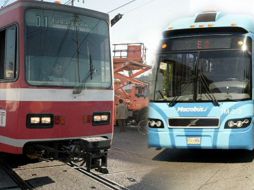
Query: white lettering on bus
[(193, 109)]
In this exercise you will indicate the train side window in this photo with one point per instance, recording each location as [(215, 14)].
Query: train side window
[(2, 53), (8, 52)]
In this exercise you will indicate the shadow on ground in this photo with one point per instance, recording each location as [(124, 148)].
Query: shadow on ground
[(15, 161), (40, 181), (196, 169), (205, 156)]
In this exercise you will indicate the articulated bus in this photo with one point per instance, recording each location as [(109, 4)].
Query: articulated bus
[(55, 77), (202, 95)]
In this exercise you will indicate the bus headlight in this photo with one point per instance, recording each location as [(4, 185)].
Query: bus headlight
[(238, 123), (152, 123), (158, 123), (231, 124), (155, 123)]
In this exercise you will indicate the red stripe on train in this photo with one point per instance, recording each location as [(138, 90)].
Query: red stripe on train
[(74, 113)]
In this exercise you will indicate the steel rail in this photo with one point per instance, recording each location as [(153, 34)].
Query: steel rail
[(107, 182)]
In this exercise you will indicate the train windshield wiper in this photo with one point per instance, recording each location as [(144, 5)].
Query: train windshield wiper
[(206, 87), (78, 89)]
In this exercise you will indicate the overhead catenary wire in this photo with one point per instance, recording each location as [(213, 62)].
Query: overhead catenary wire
[(121, 6), (68, 2), (72, 2), (138, 7), (119, 16)]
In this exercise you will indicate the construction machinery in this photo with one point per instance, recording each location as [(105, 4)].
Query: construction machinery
[(129, 61)]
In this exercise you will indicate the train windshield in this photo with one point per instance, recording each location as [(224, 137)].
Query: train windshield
[(204, 74), (67, 49)]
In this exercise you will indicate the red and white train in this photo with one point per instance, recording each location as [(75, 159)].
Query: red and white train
[(55, 76)]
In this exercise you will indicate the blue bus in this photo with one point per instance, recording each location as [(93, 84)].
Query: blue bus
[(202, 95)]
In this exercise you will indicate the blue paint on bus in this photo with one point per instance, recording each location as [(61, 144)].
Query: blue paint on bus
[(204, 97)]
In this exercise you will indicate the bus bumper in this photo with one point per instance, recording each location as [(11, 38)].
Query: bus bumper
[(202, 139)]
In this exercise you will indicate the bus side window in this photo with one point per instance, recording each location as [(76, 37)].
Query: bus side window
[(8, 49)]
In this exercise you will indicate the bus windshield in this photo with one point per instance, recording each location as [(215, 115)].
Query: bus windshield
[(67, 49), (200, 74)]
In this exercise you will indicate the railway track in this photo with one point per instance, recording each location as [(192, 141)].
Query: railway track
[(107, 182), (19, 182)]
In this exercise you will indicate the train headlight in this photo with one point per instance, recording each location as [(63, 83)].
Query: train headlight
[(238, 123), (155, 123), (104, 117), (39, 120), (101, 118), (97, 118), (35, 120), (45, 120)]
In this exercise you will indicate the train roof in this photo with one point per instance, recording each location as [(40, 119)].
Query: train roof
[(214, 21), (54, 6)]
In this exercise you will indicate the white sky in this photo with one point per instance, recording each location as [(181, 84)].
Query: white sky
[(144, 20), (146, 23)]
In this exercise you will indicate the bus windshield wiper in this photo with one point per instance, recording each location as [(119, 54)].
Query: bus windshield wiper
[(173, 101), (161, 94), (175, 98), (206, 87)]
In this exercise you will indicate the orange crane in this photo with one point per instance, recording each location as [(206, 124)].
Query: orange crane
[(129, 63)]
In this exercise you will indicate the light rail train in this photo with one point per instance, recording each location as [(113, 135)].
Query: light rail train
[(56, 85)]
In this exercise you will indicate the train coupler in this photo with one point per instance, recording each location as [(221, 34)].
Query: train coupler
[(96, 153)]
